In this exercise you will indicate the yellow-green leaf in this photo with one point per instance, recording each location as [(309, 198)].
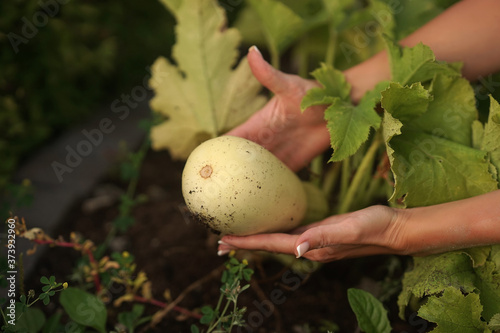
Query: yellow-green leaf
[(454, 312), (201, 96)]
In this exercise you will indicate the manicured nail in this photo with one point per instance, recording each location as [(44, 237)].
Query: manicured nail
[(253, 47), (221, 253), (302, 248)]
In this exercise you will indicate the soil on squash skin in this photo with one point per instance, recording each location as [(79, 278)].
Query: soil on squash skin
[(175, 251)]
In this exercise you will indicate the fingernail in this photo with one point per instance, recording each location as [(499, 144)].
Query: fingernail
[(220, 253), (221, 242), (302, 248), (253, 47)]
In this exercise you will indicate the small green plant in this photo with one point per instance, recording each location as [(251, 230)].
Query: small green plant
[(226, 313), (26, 316)]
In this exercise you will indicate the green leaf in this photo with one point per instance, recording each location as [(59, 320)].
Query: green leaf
[(194, 329), (429, 168), (44, 280), (123, 223), (491, 136), (349, 125), (281, 26), (131, 319), (208, 315), (405, 103), (371, 314), (334, 86), (495, 256), (494, 323), (247, 274), (454, 312), (488, 283), (31, 320), (478, 255), (451, 111), (84, 308), (432, 274), (137, 310), (416, 64), (224, 277), (53, 324), (201, 97)]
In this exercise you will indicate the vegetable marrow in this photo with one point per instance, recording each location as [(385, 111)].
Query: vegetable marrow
[(237, 187)]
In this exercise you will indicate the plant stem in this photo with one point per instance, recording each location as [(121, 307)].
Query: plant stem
[(331, 177), (330, 49), (317, 170), (364, 168), (214, 325), (301, 50), (345, 177), (88, 252), (275, 56), (372, 190), (164, 305), (131, 188)]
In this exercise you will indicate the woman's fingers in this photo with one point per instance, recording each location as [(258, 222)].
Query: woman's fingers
[(325, 236), (282, 243), (340, 252), (366, 227)]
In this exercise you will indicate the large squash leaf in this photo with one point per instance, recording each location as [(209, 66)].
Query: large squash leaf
[(455, 312), (201, 96), (440, 152), (432, 274), (432, 160)]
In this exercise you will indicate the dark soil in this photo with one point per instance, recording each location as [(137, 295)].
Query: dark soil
[(175, 251)]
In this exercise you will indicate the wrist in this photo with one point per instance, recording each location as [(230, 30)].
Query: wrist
[(364, 76), (451, 226)]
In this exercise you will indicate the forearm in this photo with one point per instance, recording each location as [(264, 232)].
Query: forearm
[(453, 225), (468, 32)]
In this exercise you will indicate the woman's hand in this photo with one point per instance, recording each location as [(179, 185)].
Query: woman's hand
[(280, 126), (384, 230), (370, 231)]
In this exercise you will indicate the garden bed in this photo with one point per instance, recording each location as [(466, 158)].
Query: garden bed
[(175, 252)]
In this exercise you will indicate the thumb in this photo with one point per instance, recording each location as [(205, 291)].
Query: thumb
[(267, 75)]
